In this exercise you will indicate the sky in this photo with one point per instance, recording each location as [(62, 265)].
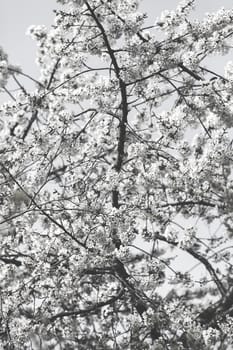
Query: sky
[(15, 17)]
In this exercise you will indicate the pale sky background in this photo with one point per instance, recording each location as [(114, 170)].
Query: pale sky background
[(17, 15)]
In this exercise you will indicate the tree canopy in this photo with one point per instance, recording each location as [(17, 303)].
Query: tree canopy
[(116, 164)]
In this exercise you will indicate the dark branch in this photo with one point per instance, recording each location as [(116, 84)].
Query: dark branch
[(91, 309), (200, 258)]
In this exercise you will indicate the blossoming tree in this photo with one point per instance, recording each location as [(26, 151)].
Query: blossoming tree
[(119, 161)]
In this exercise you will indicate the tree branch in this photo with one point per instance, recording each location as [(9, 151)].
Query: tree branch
[(200, 258), (41, 209), (91, 309)]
